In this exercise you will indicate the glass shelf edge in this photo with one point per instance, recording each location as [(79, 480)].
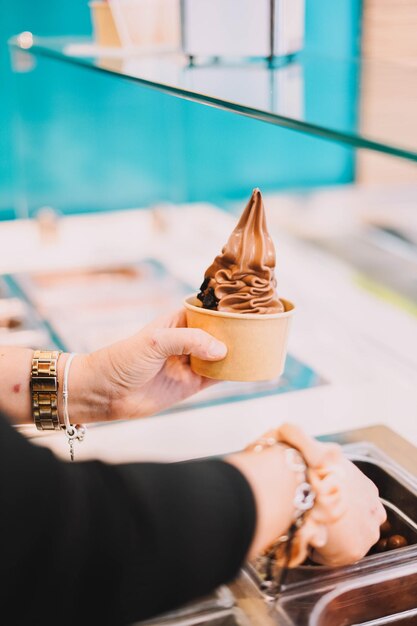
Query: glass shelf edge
[(38, 48)]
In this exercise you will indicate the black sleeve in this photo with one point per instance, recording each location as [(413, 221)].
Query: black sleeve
[(90, 543)]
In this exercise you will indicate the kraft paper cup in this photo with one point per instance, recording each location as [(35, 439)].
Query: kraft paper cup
[(256, 344)]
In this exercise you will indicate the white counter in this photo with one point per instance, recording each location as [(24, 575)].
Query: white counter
[(365, 348)]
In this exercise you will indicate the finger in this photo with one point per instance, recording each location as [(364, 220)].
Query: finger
[(267, 439), (311, 535), (207, 382), (180, 319), (314, 452), (379, 512), (166, 342), (171, 319), (330, 509), (329, 485), (320, 537), (330, 502)]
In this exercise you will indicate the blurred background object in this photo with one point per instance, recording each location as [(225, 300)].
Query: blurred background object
[(389, 34), (127, 146), (389, 30), (104, 27), (139, 24), (48, 225), (245, 28)]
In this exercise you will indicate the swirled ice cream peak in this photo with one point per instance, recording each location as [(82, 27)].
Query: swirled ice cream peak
[(242, 278)]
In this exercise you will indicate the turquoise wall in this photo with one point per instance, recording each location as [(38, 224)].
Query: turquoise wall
[(81, 141)]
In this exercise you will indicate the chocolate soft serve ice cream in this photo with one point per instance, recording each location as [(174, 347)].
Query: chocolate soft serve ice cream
[(238, 304), (242, 278)]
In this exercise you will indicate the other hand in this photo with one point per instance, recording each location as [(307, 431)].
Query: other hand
[(347, 505)]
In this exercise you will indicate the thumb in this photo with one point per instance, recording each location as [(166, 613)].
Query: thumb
[(165, 342)]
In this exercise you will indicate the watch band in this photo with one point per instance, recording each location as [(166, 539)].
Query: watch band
[(44, 389)]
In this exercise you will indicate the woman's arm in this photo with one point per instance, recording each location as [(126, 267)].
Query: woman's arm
[(15, 364), (89, 392), (97, 544), (93, 543), (136, 377)]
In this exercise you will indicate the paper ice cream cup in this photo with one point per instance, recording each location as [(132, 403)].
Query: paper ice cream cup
[(256, 344)]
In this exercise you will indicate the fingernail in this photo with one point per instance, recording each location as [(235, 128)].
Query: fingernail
[(320, 539), (217, 349)]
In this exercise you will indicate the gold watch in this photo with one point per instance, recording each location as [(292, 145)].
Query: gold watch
[(44, 389)]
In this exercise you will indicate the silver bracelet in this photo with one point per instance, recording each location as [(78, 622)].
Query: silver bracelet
[(303, 502), (305, 496), (72, 431)]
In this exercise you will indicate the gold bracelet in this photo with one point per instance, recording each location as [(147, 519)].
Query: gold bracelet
[(44, 389)]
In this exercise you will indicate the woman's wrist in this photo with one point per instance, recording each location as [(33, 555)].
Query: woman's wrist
[(290, 544), (89, 398), (88, 395), (273, 484)]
